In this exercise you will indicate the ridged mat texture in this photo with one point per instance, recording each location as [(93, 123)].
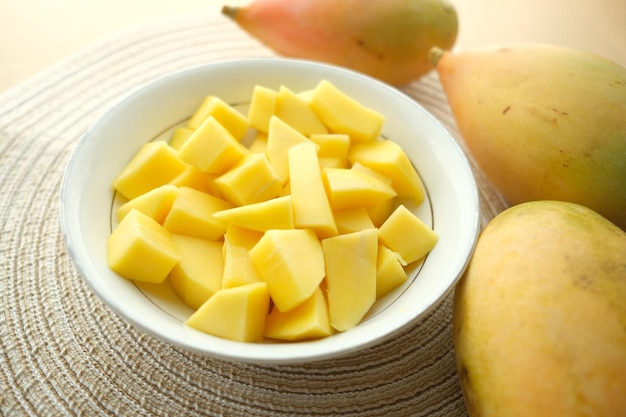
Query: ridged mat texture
[(63, 352)]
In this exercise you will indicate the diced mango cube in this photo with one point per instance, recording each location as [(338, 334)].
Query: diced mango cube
[(259, 144), (357, 166), (333, 150), (276, 213), (378, 212), (381, 211), (262, 108), (388, 158), (297, 113), (141, 249), (236, 313), (352, 220), (405, 233), (280, 138), (198, 273), (191, 214), (211, 148), (350, 276), (156, 203), (251, 180), (333, 162), (155, 164), (192, 177), (180, 136), (390, 273), (238, 268), (292, 264), (236, 123), (347, 188), (307, 95), (286, 189), (307, 321), (201, 113), (332, 145), (311, 208), (343, 114)]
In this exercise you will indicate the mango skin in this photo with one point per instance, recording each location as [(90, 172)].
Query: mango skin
[(539, 316), (542, 122), (389, 40)]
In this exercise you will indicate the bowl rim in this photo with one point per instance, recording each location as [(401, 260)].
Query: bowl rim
[(223, 349)]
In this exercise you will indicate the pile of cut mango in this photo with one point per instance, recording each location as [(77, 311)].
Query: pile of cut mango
[(283, 222)]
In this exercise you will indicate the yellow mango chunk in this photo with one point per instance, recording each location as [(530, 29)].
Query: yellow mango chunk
[(192, 177), (236, 313), (280, 138), (235, 123), (155, 164), (350, 276), (156, 203), (307, 96), (311, 208), (238, 268), (343, 114), (405, 233), (352, 220), (297, 113), (201, 113), (286, 189), (191, 214), (390, 273), (251, 180), (357, 166), (381, 211), (332, 150), (292, 264), (259, 144), (377, 212), (388, 158), (347, 188), (262, 108), (276, 213), (180, 136), (307, 321), (198, 273), (141, 249), (332, 145), (333, 162), (211, 148)]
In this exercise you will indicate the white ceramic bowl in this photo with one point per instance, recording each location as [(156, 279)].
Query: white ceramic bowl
[(151, 111)]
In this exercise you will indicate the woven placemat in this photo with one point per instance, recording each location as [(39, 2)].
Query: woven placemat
[(63, 352)]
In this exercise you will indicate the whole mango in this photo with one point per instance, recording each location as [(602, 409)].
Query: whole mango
[(389, 40), (539, 316), (543, 122)]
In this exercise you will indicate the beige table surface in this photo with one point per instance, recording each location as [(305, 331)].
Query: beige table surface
[(36, 33)]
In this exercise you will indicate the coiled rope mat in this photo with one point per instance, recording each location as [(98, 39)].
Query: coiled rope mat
[(63, 352)]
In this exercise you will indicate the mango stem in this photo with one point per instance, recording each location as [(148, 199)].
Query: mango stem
[(230, 11), (435, 55)]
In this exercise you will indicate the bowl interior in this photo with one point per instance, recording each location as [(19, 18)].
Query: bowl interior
[(152, 111)]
